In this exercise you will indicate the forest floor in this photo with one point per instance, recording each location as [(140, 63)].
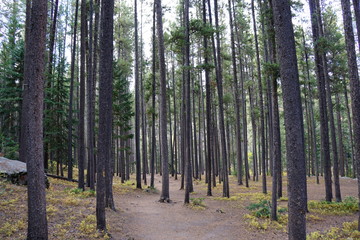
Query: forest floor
[(140, 215)]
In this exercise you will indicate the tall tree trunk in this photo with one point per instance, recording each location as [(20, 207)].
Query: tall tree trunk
[(137, 102), (340, 137), (208, 107), (315, 22), (354, 84), (195, 144), (350, 131), (153, 134), (71, 97), (175, 129), (54, 14), (295, 153), (81, 161), (165, 195), (356, 5), (237, 100), (226, 192), (105, 109), (311, 113), (31, 140), (333, 137), (91, 107), (275, 123), (187, 113), (261, 103), (143, 109), (245, 138), (254, 127)]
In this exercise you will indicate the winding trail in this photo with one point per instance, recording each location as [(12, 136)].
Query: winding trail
[(141, 216)]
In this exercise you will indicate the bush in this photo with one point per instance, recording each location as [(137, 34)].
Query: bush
[(263, 209)]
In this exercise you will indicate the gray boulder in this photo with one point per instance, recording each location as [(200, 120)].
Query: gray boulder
[(15, 171)]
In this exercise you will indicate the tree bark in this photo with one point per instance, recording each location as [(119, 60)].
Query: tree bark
[(354, 84), (71, 97), (341, 138), (295, 152), (237, 99), (81, 160), (153, 134), (324, 128), (261, 101), (31, 141), (208, 107), (137, 102), (165, 195), (105, 108), (91, 106), (226, 192)]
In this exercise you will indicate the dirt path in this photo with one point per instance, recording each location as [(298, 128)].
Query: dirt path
[(144, 217), (141, 216)]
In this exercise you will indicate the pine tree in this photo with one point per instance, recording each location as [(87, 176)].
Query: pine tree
[(31, 142)]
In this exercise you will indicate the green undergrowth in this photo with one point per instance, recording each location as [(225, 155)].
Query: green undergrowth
[(88, 229), (267, 223), (348, 206), (197, 203), (251, 196), (80, 193), (152, 190), (260, 216), (125, 187), (262, 209), (8, 229), (347, 231)]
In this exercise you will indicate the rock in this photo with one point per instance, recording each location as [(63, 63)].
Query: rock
[(11, 167), (15, 171), (219, 211)]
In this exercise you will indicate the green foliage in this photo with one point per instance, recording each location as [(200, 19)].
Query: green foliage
[(348, 206), (197, 201), (262, 209), (11, 80), (271, 69), (9, 228), (9, 147), (80, 192), (122, 101), (348, 231)]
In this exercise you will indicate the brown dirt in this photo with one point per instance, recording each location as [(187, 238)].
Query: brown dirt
[(141, 216)]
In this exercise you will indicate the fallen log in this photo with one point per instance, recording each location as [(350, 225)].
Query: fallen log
[(62, 178)]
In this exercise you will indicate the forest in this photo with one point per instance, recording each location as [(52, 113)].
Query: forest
[(201, 119)]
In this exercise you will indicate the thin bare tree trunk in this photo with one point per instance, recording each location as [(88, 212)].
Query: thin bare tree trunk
[(165, 194), (295, 149), (31, 140)]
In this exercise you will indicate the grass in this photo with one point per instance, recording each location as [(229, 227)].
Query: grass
[(347, 231), (67, 208), (197, 203), (348, 206)]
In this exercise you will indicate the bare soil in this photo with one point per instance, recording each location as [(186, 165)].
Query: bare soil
[(141, 216)]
